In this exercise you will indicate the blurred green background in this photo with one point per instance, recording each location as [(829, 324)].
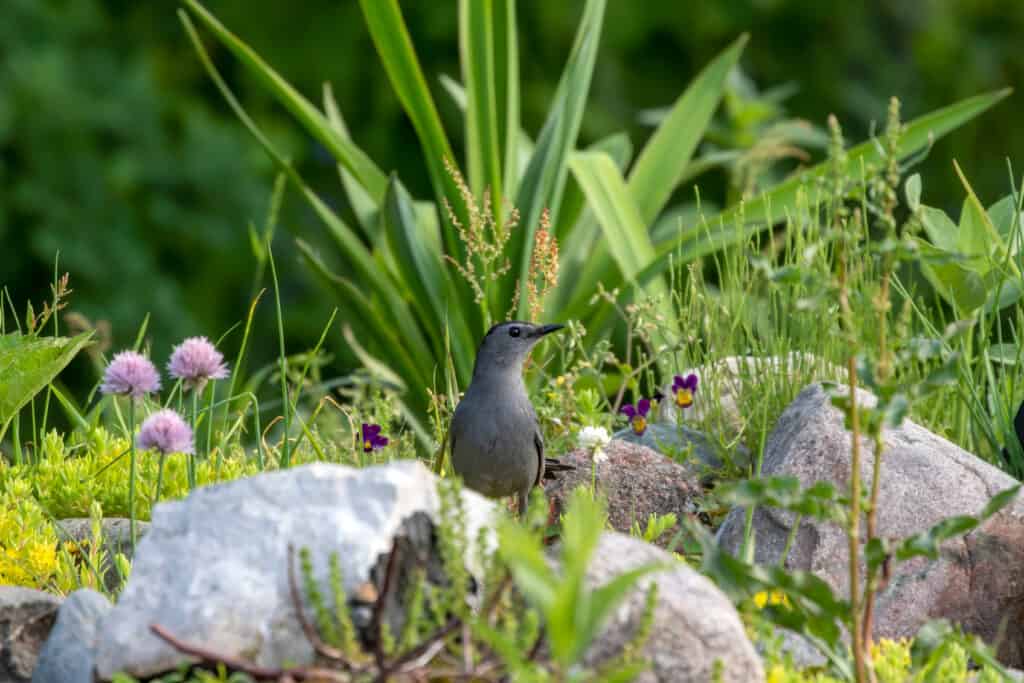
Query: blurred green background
[(117, 151)]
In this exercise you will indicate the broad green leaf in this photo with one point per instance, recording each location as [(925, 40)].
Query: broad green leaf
[(506, 88), (394, 47), (542, 182), (1007, 221), (940, 228), (912, 190), (483, 136), (972, 238), (618, 215), (569, 226), (28, 364), (1004, 354), (982, 234), (349, 155), (667, 154)]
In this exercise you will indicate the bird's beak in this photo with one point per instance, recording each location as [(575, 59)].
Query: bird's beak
[(547, 329)]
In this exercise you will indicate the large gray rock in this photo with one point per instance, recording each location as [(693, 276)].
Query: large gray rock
[(213, 567), (26, 617), (726, 379), (116, 536), (694, 626), (68, 655), (636, 481), (977, 582)]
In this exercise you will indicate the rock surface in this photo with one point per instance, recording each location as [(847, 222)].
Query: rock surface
[(213, 567), (68, 655), (26, 617), (116, 539), (977, 581), (695, 624), (636, 481), (726, 378)]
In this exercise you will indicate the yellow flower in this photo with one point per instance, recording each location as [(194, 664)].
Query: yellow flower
[(776, 597), (560, 380)]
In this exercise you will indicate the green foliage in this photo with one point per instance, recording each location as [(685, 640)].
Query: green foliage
[(66, 480), (404, 329), (111, 162), (977, 262)]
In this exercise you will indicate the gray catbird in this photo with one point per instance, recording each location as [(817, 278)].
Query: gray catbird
[(496, 443)]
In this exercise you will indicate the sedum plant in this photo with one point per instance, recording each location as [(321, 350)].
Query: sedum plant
[(409, 311)]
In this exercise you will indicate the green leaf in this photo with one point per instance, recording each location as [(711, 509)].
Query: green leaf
[(506, 88), (1006, 219), (668, 152), (618, 215), (348, 154), (483, 137), (28, 364), (364, 206), (940, 228), (394, 47), (542, 182), (912, 189)]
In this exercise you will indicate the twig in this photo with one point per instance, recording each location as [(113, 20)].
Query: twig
[(262, 673), (376, 627)]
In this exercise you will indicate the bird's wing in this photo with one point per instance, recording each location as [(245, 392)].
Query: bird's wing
[(538, 442)]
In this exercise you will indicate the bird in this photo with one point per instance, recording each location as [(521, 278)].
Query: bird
[(495, 439)]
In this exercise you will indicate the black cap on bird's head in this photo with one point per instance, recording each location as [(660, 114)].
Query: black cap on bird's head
[(507, 344)]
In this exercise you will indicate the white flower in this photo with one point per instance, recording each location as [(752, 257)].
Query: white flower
[(600, 456), (593, 438)]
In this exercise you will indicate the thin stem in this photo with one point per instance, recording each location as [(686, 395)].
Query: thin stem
[(195, 426), (209, 425), (131, 470), (159, 478), (286, 456)]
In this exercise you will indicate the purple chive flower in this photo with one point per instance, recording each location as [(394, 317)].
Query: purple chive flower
[(195, 361), (130, 373), (637, 415), (166, 432), (683, 388), (372, 440)]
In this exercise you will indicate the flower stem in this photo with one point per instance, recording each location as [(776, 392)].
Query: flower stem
[(131, 471), (159, 478), (195, 427)]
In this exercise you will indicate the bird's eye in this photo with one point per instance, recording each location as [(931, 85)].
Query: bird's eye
[(514, 331)]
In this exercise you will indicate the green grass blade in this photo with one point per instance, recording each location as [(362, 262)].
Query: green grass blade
[(667, 154), (363, 204), (483, 141), (349, 155), (618, 215), (506, 88), (542, 182), (394, 46)]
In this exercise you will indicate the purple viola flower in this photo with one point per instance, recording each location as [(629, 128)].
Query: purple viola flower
[(637, 415), (372, 440), (130, 373), (195, 361), (166, 432), (683, 388)]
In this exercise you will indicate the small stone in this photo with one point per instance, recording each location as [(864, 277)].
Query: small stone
[(68, 655), (26, 617), (636, 481)]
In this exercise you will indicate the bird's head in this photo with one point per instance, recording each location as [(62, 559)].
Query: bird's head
[(506, 345)]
